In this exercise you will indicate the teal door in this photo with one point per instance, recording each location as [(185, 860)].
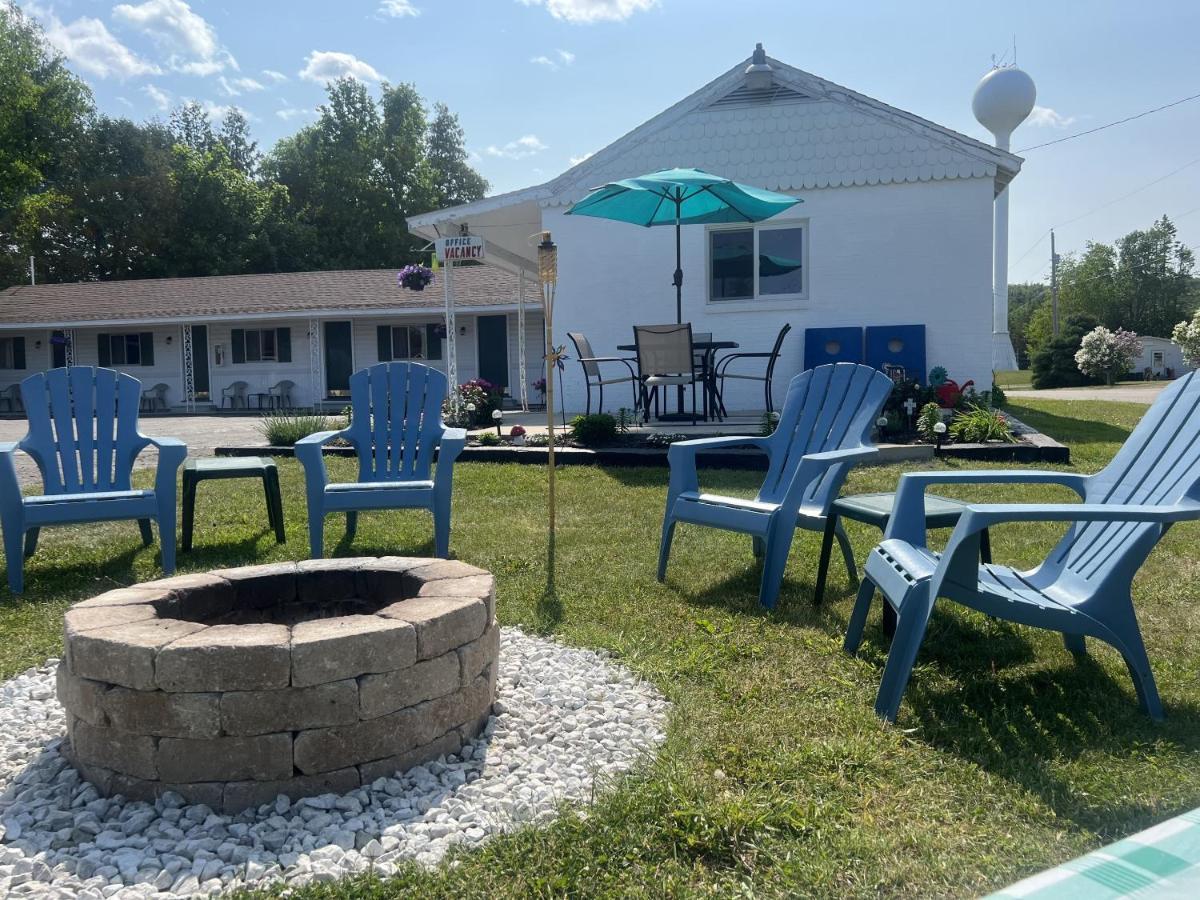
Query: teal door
[(493, 349), (339, 359)]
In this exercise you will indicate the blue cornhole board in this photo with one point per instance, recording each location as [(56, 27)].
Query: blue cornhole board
[(832, 345), (897, 345)]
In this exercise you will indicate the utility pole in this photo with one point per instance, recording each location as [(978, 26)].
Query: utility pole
[(32, 272), (1053, 284)]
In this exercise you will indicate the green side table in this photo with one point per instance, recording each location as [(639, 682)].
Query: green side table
[(206, 468), (876, 509)]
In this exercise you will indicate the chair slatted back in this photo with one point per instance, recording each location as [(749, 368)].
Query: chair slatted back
[(831, 407), (397, 420), (1159, 465), (664, 349), (83, 428)]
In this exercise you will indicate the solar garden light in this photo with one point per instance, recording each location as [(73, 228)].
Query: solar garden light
[(939, 431), (882, 424), (497, 417)]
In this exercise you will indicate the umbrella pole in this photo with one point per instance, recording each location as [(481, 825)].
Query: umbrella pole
[(678, 285)]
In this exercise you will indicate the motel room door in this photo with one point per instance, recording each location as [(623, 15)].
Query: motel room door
[(493, 349), (339, 358), (200, 361)]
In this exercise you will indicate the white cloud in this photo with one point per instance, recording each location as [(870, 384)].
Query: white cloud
[(1044, 116), (559, 59), (238, 86), (89, 44), (326, 65), (191, 41), (576, 160), (160, 98), (522, 147), (126, 101), (274, 77), (217, 111), (294, 112), (588, 11), (397, 9)]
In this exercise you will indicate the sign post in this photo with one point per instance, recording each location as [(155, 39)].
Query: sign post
[(449, 251)]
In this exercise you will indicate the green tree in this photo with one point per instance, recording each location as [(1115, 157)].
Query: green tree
[(44, 109), (1153, 284), (1023, 301), (454, 181), (1054, 363), (192, 127), (235, 136)]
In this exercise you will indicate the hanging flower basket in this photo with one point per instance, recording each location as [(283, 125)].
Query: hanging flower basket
[(415, 277)]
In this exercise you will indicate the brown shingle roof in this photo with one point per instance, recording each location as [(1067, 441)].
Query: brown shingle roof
[(228, 296)]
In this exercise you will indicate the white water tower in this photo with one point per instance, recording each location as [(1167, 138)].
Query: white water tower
[(1003, 100)]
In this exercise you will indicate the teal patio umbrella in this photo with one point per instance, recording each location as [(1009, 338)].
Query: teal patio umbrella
[(681, 197)]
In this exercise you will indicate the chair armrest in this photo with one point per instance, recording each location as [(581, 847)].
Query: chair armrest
[(171, 454), (10, 487), (449, 447), (320, 438), (907, 522), (681, 458), (813, 466), (308, 454)]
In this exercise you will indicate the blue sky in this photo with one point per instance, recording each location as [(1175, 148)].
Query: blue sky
[(540, 83)]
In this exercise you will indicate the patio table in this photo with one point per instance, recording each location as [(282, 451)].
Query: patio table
[(709, 384), (211, 467)]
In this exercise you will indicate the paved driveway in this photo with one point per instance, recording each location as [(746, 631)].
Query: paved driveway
[(1124, 393), (202, 434)]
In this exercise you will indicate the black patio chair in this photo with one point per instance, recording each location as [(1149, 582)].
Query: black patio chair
[(593, 378), (721, 370)]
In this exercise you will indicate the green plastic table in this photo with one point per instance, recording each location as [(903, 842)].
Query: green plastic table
[(207, 468), (876, 509)]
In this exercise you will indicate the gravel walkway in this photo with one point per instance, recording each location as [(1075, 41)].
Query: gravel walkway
[(202, 434), (563, 718)]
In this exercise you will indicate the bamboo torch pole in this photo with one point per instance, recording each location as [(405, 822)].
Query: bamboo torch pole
[(548, 276)]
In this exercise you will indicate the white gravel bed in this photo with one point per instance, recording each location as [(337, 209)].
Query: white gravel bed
[(563, 717)]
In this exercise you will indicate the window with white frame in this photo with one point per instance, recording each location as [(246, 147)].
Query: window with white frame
[(763, 263), (409, 342), (125, 349), (1158, 359), (251, 345)]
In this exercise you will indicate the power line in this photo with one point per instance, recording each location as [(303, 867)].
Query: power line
[(1130, 194), (1080, 134), (1036, 244)]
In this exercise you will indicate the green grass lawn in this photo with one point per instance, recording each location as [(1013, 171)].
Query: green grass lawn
[(1014, 379), (1009, 756)]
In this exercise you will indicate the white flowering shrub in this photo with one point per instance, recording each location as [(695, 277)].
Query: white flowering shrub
[(1187, 336), (1107, 354)]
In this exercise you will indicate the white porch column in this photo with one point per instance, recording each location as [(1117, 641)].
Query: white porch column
[(451, 327), (189, 370), (521, 343), (314, 362)]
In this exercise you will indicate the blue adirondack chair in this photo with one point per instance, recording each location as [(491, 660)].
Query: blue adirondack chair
[(1083, 587), (83, 435), (824, 429), (395, 427)]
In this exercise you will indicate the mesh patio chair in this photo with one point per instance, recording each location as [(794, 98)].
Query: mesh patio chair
[(235, 395), (280, 395), (721, 371), (155, 399), (665, 357), (593, 378)]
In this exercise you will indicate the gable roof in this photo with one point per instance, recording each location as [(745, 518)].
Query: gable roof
[(362, 291), (805, 132)]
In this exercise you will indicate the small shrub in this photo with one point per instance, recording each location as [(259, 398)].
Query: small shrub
[(1187, 335), (1054, 363), (595, 430), (489, 439), (283, 428), (979, 424), (626, 419), (996, 397), (929, 416)]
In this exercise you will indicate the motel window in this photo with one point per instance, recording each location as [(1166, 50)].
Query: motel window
[(125, 349), (1158, 359), (408, 342), (756, 263), (251, 345), (12, 353)]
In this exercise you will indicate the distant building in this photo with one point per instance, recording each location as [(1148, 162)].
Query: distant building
[(311, 328), (1162, 356), (895, 229)]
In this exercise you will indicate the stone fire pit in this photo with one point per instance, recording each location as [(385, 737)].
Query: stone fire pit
[(235, 686)]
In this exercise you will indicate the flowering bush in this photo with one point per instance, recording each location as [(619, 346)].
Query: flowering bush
[(415, 277), (1187, 336), (539, 385), (471, 403), (517, 431), (1107, 354)]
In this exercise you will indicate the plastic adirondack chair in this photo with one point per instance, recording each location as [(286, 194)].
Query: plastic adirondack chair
[(823, 430), (1083, 588), (155, 398), (83, 435), (395, 427), (280, 394), (235, 394)]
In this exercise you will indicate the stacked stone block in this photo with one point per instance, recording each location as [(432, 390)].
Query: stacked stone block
[(235, 686)]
